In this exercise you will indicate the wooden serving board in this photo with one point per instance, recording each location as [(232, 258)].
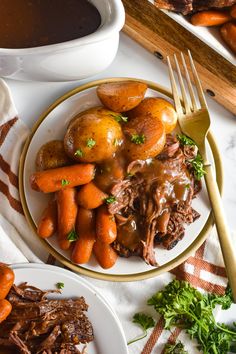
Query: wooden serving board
[(162, 36)]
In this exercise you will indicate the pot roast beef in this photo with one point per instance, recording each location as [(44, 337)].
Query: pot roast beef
[(153, 205), (188, 6), (38, 325)]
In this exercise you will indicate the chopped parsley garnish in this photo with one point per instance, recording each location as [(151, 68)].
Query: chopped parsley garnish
[(91, 143), (185, 307), (64, 182), (138, 139), (197, 162), (145, 322), (116, 142), (79, 153), (185, 140), (119, 118), (110, 199), (187, 186), (60, 285), (175, 348), (72, 236), (198, 167)]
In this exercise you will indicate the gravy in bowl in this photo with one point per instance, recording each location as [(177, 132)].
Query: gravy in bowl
[(35, 23)]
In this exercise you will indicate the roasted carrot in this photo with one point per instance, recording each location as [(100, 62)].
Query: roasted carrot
[(48, 222), (105, 225), (59, 178), (85, 228), (105, 254), (6, 280), (90, 196), (67, 211), (233, 11), (228, 33), (210, 18), (5, 309)]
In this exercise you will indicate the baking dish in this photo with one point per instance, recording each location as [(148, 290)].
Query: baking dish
[(72, 60)]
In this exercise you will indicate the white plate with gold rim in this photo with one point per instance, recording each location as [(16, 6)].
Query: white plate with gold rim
[(52, 125)]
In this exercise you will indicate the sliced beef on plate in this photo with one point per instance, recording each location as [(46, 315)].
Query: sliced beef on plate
[(188, 6)]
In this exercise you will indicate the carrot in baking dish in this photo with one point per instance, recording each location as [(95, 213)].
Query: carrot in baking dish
[(106, 230), (85, 229), (233, 11), (60, 178), (67, 212), (48, 222), (105, 254), (90, 196), (210, 18)]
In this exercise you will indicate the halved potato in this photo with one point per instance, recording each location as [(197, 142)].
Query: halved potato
[(52, 155), (159, 108), (121, 96), (145, 137)]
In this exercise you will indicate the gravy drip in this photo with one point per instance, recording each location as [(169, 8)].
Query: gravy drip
[(34, 23)]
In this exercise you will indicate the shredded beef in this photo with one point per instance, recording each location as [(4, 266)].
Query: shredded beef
[(40, 325), (159, 193)]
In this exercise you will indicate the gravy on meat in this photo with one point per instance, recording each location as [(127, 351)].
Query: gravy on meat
[(34, 23)]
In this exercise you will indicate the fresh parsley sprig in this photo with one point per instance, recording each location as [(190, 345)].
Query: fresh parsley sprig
[(183, 306), (72, 236), (90, 143), (119, 118), (145, 322)]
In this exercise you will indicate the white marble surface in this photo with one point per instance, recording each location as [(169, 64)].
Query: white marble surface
[(32, 98)]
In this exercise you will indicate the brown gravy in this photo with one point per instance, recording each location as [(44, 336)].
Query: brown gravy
[(34, 23)]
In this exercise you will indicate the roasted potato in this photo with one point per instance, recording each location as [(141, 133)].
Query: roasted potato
[(93, 138), (158, 108), (52, 155), (121, 96), (145, 137), (100, 111)]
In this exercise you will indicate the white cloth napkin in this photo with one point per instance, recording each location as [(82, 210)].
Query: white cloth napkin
[(17, 244)]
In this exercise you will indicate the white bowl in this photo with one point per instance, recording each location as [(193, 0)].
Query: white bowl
[(71, 60)]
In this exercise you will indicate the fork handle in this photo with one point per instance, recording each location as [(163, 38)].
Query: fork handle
[(226, 243)]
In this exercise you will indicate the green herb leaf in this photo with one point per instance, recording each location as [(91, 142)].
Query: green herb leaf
[(60, 285), (116, 142), (79, 153), (183, 306), (72, 236), (176, 348), (110, 199), (119, 118), (91, 143), (198, 168), (145, 322), (185, 140), (138, 139), (187, 186), (64, 182)]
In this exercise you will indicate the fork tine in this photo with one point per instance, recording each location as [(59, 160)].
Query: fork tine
[(197, 82), (182, 87), (178, 105), (190, 86)]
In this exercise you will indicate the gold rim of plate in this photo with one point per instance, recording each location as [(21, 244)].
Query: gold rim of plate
[(118, 277)]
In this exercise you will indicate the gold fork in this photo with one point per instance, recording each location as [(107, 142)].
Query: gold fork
[(195, 123)]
